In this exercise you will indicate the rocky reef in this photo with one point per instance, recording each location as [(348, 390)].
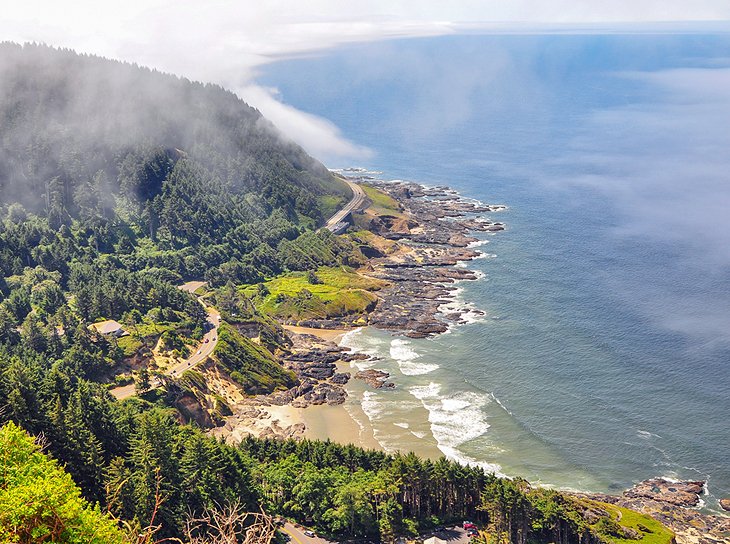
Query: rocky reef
[(675, 504), (432, 232)]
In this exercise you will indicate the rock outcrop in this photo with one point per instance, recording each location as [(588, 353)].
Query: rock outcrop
[(675, 505), (375, 378)]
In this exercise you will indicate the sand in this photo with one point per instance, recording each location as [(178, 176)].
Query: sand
[(320, 422), (257, 420), (332, 335)]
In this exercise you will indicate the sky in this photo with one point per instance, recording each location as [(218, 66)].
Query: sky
[(224, 41)]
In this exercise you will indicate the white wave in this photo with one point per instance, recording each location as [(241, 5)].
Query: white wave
[(455, 455), (470, 314), (363, 343), (402, 425), (419, 434), (671, 477), (350, 337), (410, 368), (371, 405), (499, 402), (478, 243), (403, 354), (455, 419), (646, 434), (400, 350), (452, 405)]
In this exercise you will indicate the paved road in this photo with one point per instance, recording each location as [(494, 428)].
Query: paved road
[(206, 347), (297, 536), (358, 199)]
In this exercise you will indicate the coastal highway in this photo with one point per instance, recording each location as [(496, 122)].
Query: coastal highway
[(358, 199)]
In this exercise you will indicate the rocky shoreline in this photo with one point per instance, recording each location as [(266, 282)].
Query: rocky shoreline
[(430, 238), (427, 237), (675, 504), (431, 235)]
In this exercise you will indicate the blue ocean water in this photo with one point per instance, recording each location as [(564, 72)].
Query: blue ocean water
[(604, 355)]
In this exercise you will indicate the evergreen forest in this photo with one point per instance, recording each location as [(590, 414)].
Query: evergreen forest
[(117, 185)]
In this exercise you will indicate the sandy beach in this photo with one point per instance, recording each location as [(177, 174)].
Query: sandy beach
[(316, 422), (331, 335), (335, 423)]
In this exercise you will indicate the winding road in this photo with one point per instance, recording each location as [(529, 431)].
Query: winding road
[(205, 348), (210, 339), (358, 199)]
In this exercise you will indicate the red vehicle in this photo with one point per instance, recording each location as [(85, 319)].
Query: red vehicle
[(468, 525)]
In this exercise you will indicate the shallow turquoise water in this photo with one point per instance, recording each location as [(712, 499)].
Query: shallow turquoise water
[(603, 357)]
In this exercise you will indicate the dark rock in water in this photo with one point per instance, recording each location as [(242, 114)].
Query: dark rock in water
[(676, 493), (375, 378), (347, 357), (313, 360), (725, 504), (340, 378)]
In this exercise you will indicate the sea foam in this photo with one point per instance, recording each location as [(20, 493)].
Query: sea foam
[(455, 419), (403, 354)]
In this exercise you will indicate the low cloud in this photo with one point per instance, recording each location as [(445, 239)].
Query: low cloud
[(223, 41), (664, 166), (319, 137), (667, 168)]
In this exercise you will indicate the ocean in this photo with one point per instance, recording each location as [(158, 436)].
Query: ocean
[(603, 357)]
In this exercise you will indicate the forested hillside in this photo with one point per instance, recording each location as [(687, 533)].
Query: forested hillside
[(100, 157), (117, 184)]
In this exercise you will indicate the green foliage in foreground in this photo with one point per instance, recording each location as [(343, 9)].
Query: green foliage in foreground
[(250, 364), (342, 490), (39, 502)]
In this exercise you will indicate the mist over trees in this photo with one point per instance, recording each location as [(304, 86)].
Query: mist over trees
[(117, 183), (99, 156)]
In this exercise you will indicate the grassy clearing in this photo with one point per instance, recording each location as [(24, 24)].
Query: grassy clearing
[(249, 364), (129, 345), (338, 292), (150, 330), (382, 203), (650, 531)]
